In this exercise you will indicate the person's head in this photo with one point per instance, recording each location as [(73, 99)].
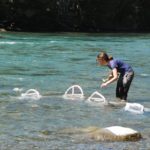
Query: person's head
[(103, 58)]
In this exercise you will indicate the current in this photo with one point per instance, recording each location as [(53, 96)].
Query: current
[(52, 62)]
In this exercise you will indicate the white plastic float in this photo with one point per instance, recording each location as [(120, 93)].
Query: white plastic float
[(74, 92), (97, 98), (31, 94), (134, 108)]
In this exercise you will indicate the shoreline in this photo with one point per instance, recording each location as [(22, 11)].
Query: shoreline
[(3, 29)]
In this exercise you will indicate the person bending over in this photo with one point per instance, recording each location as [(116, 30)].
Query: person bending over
[(117, 66)]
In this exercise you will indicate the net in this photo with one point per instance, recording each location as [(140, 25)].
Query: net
[(134, 108), (74, 92), (97, 97), (31, 94)]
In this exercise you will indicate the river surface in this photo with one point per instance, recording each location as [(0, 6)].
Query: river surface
[(52, 62)]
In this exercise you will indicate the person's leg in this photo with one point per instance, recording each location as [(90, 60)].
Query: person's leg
[(119, 87), (127, 79)]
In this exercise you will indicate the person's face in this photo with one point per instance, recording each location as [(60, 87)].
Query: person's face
[(101, 61)]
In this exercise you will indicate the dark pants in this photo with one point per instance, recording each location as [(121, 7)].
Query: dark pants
[(123, 85)]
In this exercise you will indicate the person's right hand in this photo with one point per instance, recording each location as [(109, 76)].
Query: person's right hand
[(104, 84)]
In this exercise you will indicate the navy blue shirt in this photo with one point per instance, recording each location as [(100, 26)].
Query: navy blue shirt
[(121, 67)]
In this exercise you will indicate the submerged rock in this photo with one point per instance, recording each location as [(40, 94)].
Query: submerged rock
[(114, 133)]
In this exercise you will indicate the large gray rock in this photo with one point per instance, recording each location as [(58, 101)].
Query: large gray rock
[(114, 133)]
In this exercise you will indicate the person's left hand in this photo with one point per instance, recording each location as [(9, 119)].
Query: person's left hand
[(103, 85)]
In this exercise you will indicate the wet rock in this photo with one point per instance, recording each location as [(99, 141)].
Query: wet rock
[(2, 30), (114, 133)]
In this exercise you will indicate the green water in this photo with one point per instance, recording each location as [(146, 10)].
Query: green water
[(50, 63)]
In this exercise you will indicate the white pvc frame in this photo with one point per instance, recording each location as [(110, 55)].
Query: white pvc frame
[(31, 93), (100, 99), (74, 95)]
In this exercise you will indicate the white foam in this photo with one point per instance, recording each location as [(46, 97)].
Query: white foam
[(144, 75), (97, 97), (121, 131), (146, 109), (31, 94), (74, 92), (17, 89), (52, 41), (11, 43), (134, 108)]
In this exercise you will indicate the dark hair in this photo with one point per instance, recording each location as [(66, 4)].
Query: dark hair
[(104, 56)]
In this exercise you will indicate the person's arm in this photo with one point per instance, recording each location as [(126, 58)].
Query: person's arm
[(114, 78), (110, 75)]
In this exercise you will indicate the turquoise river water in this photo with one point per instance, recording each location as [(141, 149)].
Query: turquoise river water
[(52, 62)]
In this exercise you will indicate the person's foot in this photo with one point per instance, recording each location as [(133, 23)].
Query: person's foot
[(118, 99), (122, 100)]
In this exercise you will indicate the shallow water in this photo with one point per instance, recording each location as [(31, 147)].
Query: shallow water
[(50, 63)]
